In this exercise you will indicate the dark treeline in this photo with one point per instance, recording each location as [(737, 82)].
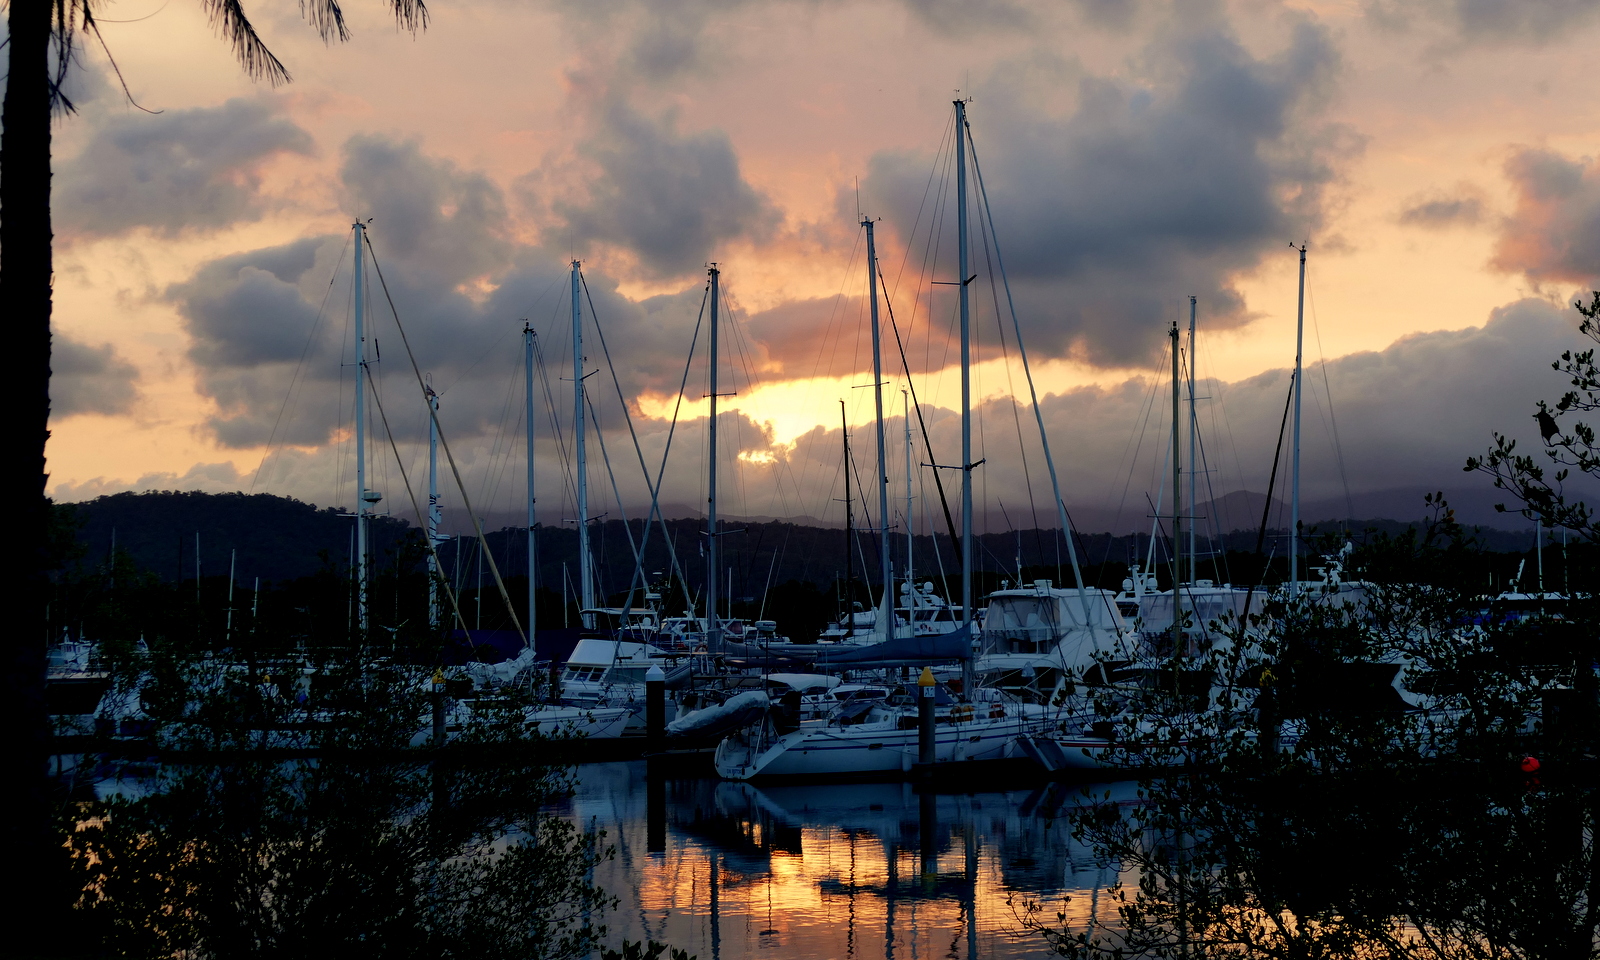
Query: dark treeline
[(786, 572)]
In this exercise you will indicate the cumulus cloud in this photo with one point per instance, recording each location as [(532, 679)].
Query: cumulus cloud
[(1152, 189), (89, 379), (668, 197), (185, 170), (1553, 232)]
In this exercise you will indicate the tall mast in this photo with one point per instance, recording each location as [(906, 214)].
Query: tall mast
[(905, 405), (435, 510), (884, 573), (849, 531), (713, 625), (1177, 502), (585, 568), (1194, 437), (1294, 470), (361, 436), (966, 381), (533, 565)]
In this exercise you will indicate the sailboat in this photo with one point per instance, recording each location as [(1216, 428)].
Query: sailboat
[(572, 716), (881, 737)]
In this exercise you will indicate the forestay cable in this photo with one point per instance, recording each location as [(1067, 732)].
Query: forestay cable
[(477, 525)]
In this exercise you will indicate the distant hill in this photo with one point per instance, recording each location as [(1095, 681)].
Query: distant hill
[(277, 538)]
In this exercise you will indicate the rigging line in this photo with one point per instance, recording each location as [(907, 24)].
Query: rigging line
[(1261, 537), (345, 439), (751, 381), (1135, 443), (1219, 556), (666, 452), (568, 483), (304, 352), (1161, 489), (827, 336), (1011, 391), (493, 347), (1338, 448), (433, 414), (622, 511), (500, 446), (766, 588), (438, 565), (916, 405), (627, 416), (1221, 423), (1022, 353), (855, 471), (933, 171)]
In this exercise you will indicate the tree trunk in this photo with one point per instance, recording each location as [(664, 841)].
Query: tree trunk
[(25, 276)]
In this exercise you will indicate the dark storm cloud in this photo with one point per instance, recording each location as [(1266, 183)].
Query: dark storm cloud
[(667, 196), (89, 379), (1487, 21), (1553, 233), (271, 328), (1148, 192), (184, 170), (431, 215)]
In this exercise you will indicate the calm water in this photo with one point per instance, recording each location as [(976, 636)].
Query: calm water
[(731, 870), (1413, 864)]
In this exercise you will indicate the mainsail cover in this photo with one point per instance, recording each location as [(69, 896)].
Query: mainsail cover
[(900, 651)]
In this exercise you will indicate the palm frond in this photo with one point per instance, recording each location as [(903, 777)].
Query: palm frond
[(229, 18), (411, 14), (327, 18)]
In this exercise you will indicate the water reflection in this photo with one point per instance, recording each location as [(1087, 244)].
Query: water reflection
[(848, 870)]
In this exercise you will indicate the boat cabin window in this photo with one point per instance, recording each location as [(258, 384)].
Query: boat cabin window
[(583, 674), (1020, 625)]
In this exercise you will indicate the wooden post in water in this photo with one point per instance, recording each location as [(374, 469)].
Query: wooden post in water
[(927, 689)]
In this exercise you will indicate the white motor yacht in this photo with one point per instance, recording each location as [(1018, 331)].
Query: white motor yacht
[(1039, 640), (869, 736)]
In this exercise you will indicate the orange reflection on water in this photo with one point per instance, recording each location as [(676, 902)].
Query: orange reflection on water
[(854, 870)]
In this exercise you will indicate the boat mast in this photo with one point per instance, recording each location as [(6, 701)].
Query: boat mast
[(585, 569), (849, 532), (361, 436), (1294, 470), (527, 375), (905, 404), (1194, 437), (1177, 502), (966, 383), (713, 625), (884, 573), (435, 511)]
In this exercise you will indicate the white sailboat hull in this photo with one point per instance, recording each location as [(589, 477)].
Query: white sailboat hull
[(822, 750)]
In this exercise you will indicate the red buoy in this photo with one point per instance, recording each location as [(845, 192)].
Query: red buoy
[(1530, 764)]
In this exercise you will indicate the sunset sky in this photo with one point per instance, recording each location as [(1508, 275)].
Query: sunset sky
[(1435, 155)]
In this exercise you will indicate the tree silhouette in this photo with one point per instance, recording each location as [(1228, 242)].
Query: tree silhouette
[(42, 31)]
